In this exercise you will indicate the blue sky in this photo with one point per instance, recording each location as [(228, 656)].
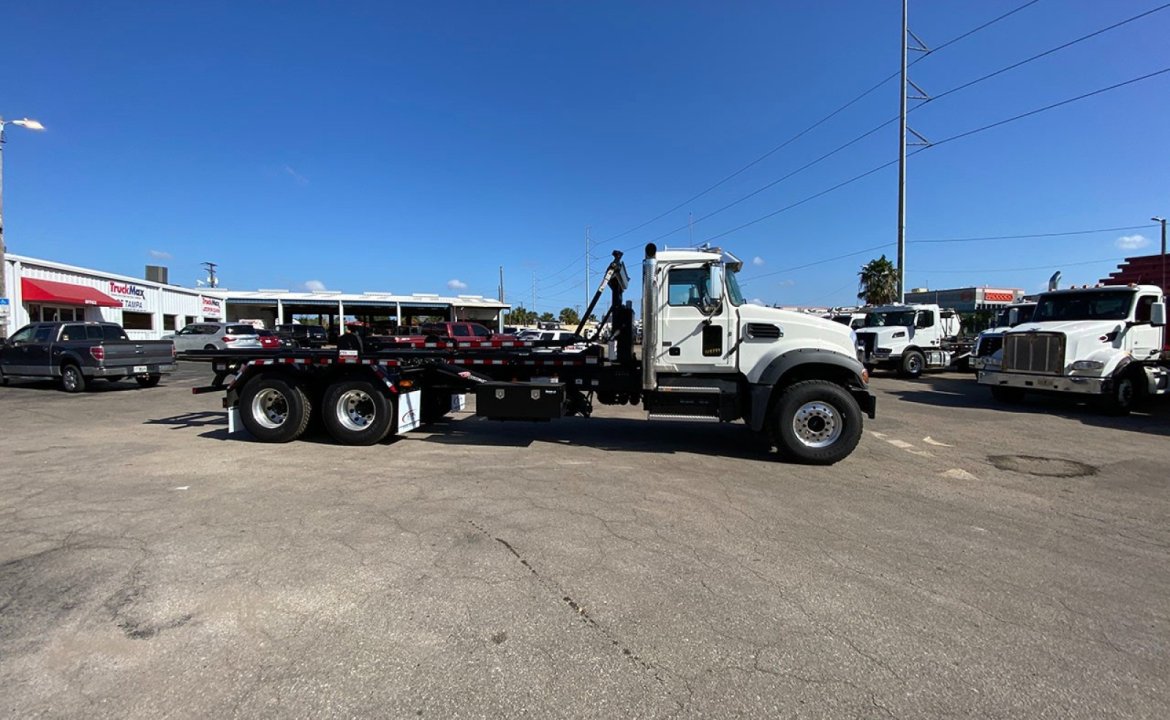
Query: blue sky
[(417, 147)]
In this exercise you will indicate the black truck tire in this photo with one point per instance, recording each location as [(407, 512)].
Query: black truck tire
[(72, 381), (912, 365), (148, 381), (816, 422), (1123, 395), (355, 413), (274, 410)]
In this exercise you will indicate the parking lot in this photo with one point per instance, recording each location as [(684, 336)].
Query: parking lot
[(968, 560)]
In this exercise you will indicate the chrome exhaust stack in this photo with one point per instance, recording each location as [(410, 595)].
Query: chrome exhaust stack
[(649, 318)]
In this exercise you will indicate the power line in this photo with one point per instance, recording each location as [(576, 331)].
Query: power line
[(1058, 48), (968, 133), (1036, 235), (817, 262), (1053, 106), (814, 126), (1049, 266)]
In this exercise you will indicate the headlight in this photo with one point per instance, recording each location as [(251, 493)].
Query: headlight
[(1088, 365)]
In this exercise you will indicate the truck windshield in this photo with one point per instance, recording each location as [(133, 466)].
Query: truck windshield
[(890, 318), (1103, 305), (734, 294)]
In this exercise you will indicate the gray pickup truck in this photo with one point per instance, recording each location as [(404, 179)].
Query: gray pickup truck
[(79, 352)]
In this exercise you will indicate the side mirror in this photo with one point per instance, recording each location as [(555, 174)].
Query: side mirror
[(715, 283), (1013, 317), (1158, 314)]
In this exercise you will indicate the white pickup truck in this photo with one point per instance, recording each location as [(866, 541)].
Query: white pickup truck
[(1105, 343)]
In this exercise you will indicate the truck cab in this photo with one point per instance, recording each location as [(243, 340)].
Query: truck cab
[(1105, 342), (710, 354), (991, 340), (909, 338)]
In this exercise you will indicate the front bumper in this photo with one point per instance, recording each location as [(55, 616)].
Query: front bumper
[(1050, 383)]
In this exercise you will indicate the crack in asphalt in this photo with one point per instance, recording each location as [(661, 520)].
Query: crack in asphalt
[(579, 610)]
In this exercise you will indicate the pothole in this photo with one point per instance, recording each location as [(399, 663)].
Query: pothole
[(1042, 466)]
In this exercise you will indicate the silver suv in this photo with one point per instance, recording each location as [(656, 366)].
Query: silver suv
[(214, 336)]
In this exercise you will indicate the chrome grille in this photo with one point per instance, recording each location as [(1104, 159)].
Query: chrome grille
[(1034, 353)]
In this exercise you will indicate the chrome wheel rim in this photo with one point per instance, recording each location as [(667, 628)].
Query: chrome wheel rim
[(355, 410), (914, 365), (70, 379), (817, 424), (270, 408)]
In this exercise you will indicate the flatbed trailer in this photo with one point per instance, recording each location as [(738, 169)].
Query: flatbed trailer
[(793, 378)]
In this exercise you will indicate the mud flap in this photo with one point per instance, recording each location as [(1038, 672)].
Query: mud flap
[(234, 424), (409, 406)]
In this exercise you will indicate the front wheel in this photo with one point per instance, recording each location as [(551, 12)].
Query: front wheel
[(72, 381), (1123, 396), (816, 422), (274, 410), (913, 363), (355, 413)]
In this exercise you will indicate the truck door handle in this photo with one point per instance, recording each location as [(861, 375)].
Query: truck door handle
[(674, 351)]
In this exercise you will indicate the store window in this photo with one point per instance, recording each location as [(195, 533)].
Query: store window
[(188, 320), (170, 323), (137, 321)]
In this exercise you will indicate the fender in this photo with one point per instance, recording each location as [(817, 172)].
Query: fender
[(761, 391)]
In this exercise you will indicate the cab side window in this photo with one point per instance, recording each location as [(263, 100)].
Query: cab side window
[(480, 331), (22, 335), (925, 319), (1143, 313), (73, 332), (43, 333), (460, 330), (688, 286)]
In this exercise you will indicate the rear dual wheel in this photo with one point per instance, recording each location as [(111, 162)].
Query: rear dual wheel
[(356, 413), (274, 409)]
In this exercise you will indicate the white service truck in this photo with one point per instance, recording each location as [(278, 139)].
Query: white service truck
[(1105, 343), (911, 338), (708, 355)]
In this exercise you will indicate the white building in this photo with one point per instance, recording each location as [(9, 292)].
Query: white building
[(43, 290)]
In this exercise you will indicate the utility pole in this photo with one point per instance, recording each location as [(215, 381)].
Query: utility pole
[(534, 293), (588, 295), (1163, 221), (501, 298), (212, 280), (902, 130), (29, 124)]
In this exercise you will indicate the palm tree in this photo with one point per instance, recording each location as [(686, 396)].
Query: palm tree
[(878, 284)]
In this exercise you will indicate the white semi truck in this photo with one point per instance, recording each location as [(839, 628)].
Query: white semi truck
[(707, 355), (1105, 343), (911, 338), (991, 340)]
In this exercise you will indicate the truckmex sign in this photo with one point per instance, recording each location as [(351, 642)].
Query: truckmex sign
[(132, 296), (212, 307)]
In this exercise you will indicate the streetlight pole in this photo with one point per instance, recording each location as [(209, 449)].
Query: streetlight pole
[(1163, 221), (31, 125)]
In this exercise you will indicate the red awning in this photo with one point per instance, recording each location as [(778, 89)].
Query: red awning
[(58, 292)]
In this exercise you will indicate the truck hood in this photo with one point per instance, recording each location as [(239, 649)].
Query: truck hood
[(1082, 337), (819, 331), (886, 333)]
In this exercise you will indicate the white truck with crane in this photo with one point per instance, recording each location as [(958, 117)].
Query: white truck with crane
[(911, 339), (1105, 343), (707, 355)]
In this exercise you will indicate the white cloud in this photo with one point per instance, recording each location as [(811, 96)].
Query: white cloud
[(456, 284), (301, 179), (757, 261), (160, 255), (757, 301), (314, 285), (1132, 242), (786, 283)]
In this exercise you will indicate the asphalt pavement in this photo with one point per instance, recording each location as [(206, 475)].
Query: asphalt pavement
[(968, 560)]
